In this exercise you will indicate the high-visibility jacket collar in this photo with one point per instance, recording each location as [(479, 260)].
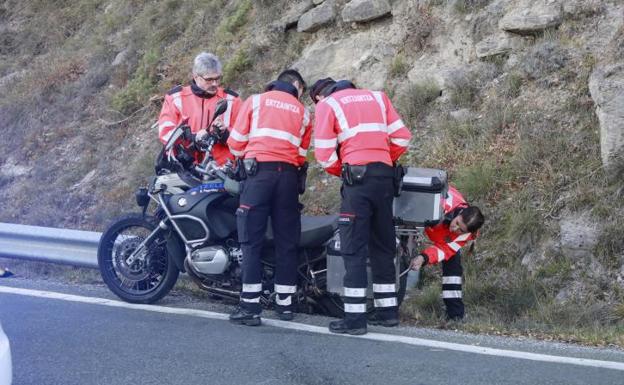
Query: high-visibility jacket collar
[(201, 93), (341, 85), (278, 85)]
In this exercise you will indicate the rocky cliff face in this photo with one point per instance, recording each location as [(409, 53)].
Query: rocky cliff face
[(520, 100)]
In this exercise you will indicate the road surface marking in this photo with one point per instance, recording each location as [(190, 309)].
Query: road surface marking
[(323, 330)]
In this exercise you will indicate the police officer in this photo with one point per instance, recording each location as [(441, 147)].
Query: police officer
[(196, 103), (359, 135), (272, 135), (460, 225)]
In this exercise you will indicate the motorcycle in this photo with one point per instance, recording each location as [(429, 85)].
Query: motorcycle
[(193, 230)]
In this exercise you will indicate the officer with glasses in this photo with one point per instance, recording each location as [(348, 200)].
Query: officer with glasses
[(195, 103)]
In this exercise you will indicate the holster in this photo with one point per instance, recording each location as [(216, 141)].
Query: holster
[(399, 173), (302, 175), (239, 171), (250, 166), (353, 174)]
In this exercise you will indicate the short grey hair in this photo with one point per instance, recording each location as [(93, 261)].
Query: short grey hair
[(205, 63)]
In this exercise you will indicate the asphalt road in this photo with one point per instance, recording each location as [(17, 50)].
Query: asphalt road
[(56, 341)]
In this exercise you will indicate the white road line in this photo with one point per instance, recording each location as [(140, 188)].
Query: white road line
[(323, 330)]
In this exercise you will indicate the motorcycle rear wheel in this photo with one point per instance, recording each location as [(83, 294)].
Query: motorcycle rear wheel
[(144, 281)]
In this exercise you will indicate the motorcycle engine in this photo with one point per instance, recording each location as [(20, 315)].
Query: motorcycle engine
[(212, 260)]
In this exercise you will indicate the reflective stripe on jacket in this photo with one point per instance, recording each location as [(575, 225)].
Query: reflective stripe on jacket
[(358, 126), (445, 242), (272, 127), (182, 103)]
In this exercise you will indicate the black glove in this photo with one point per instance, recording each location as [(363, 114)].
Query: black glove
[(302, 175)]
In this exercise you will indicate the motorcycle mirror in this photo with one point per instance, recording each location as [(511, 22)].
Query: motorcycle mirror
[(220, 108)]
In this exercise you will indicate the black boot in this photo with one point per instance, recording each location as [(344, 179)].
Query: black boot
[(375, 319), (342, 327), (284, 314), (245, 317)]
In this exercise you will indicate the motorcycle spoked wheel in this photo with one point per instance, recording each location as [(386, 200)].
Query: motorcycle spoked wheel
[(144, 281), (333, 306)]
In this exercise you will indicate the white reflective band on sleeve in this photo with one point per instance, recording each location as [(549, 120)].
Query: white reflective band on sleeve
[(363, 127), (177, 101), (332, 159), (354, 292), (237, 153), (397, 125), (325, 143), (400, 142), (251, 300), (276, 134), (228, 113), (283, 302), (355, 308), (167, 136), (385, 302), (462, 237), (238, 137), (255, 112), (382, 106), (449, 200), (436, 208), (285, 289), (303, 152), (451, 294), (452, 280), (455, 246), (252, 287), (166, 124), (340, 116), (384, 287), (306, 121), (440, 254)]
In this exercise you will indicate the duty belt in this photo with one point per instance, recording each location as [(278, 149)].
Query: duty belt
[(355, 174)]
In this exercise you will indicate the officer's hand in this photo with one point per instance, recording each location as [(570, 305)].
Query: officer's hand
[(218, 126), (201, 134), (417, 262)]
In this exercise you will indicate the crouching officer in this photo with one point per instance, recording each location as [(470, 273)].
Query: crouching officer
[(359, 135), (460, 225), (272, 135)]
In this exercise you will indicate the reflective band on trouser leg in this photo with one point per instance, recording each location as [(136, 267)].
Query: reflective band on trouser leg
[(284, 294), (386, 302), (355, 308), (250, 296), (452, 287)]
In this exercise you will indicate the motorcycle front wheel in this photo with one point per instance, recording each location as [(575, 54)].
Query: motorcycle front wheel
[(146, 279)]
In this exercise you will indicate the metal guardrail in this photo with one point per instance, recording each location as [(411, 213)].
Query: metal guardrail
[(46, 244)]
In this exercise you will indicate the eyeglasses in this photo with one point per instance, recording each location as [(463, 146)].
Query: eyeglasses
[(216, 79)]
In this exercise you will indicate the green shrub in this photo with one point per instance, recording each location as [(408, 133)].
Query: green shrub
[(398, 67), (236, 20), (137, 92), (236, 65), (414, 101)]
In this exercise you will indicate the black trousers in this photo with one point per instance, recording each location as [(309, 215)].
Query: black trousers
[(452, 275), (367, 231), (272, 191)]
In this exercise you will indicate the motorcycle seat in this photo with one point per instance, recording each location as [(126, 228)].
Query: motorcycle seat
[(314, 230)]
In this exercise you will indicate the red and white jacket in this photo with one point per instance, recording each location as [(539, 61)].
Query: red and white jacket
[(358, 126), (272, 127), (445, 242), (181, 103)]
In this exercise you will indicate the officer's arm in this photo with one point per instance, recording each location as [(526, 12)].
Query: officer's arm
[(398, 134), (326, 139), (168, 120), (305, 138), (235, 105), (440, 252), (239, 136)]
